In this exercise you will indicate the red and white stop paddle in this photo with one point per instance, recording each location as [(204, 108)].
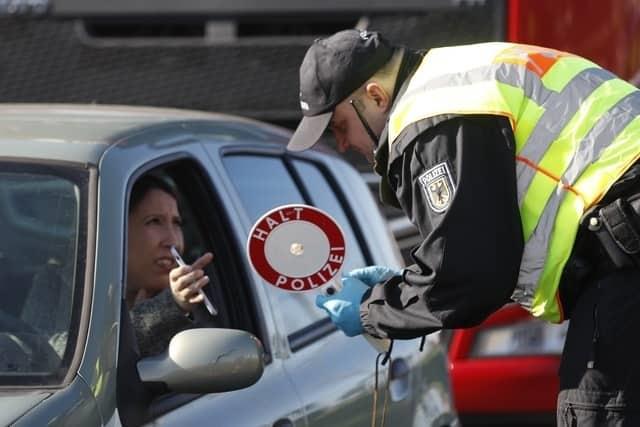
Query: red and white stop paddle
[(297, 248), (300, 248)]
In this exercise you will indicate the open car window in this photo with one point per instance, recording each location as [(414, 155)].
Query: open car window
[(43, 228), (205, 229)]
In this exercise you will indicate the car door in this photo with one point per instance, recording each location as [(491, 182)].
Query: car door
[(333, 374), (208, 226)]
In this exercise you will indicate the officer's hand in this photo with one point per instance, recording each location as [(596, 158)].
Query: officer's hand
[(344, 307), (373, 274)]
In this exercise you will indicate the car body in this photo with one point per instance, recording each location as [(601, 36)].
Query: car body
[(65, 176)]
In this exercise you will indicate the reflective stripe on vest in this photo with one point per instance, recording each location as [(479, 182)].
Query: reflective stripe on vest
[(576, 128)]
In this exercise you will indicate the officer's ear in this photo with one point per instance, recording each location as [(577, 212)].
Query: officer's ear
[(378, 95)]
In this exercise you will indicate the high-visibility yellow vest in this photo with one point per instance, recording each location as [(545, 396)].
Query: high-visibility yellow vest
[(576, 128)]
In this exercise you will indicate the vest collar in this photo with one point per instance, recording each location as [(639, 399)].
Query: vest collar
[(410, 62)]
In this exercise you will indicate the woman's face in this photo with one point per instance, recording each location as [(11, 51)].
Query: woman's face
[(154, 225)]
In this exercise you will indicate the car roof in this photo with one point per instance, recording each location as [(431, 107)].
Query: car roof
[(85, 131)]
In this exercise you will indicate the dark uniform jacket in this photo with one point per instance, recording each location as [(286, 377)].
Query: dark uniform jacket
[(467, 266)]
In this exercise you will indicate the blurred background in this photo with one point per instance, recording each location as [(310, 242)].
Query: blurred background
[(242, 57)]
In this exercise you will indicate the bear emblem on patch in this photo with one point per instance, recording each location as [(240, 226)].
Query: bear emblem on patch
[(438, 186)]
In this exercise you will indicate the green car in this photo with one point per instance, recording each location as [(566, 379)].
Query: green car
[(68, 354)]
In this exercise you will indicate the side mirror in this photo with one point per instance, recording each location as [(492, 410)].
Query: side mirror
[(207, 360)]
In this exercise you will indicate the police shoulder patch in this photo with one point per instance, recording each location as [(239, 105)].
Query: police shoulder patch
[(438, 186)]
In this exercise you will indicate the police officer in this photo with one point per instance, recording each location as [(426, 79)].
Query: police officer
[(519, 166)]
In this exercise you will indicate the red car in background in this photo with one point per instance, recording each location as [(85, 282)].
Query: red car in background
[(606, 32), (505, 371)]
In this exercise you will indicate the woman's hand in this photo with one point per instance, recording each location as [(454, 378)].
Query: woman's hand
[(187, 281)]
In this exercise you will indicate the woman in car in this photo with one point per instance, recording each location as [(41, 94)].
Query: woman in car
[(161, 295)]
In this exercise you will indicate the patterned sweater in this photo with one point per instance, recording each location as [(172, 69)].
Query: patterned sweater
[(156, 320)]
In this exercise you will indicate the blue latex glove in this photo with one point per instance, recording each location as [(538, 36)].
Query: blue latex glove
[(344, 307), (373, 274)]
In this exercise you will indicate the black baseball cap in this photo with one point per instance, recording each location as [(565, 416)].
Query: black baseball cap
[(333, 68)]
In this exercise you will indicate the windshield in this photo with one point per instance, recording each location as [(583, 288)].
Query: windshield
[(40, 291)]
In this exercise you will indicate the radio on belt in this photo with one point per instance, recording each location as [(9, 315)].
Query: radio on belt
[(299, 248)]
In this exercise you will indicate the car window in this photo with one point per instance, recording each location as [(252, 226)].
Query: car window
[(324, 197), (265, 182), (40, 213)]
